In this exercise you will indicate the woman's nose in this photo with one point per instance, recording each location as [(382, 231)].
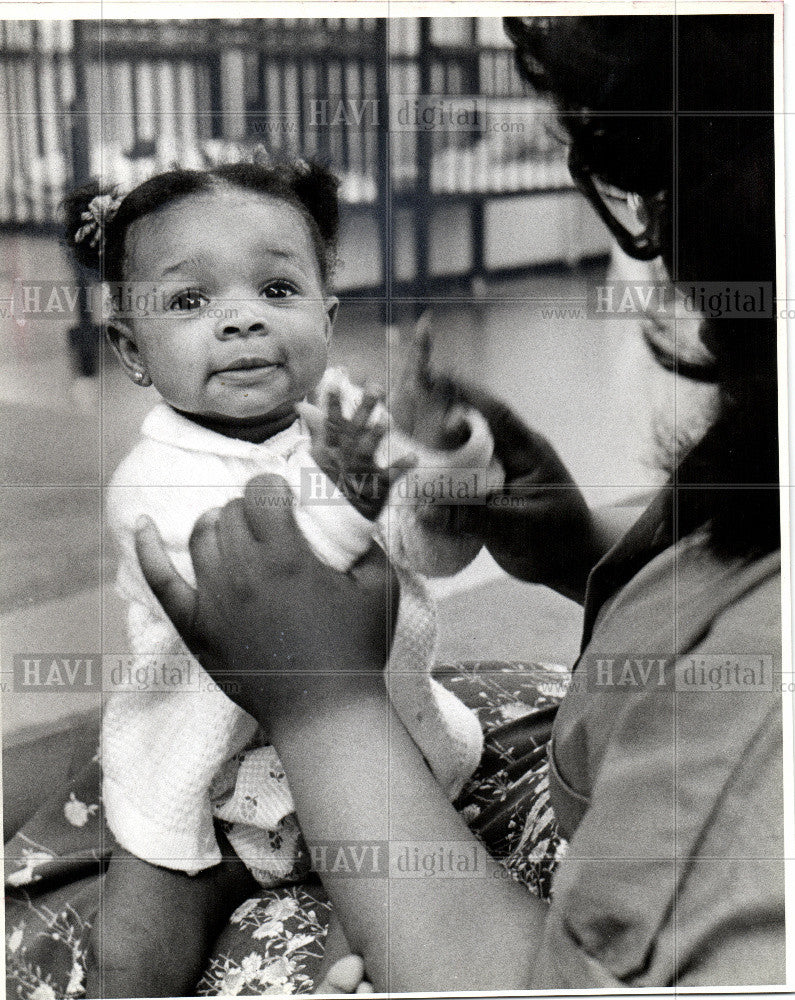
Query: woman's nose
[(251, 327)]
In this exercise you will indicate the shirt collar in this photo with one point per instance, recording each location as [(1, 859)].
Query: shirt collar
[(169, 427)]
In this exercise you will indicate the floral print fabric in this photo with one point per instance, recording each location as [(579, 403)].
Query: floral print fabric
[(273, 944)]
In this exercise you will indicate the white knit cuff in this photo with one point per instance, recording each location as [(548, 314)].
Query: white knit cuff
[(445, 730), (186, 850), (337, 533)]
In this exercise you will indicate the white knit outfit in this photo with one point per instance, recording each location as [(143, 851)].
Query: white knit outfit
[(175, 759)]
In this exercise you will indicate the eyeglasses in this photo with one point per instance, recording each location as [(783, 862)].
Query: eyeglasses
[(636, 221)]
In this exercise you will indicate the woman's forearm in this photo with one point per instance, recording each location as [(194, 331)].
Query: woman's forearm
[(372, 812)]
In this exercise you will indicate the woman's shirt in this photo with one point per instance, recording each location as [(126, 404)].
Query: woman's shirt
[(666, 774)]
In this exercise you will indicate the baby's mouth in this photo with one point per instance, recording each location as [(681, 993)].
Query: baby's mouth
[(246, 364), (246, 370)]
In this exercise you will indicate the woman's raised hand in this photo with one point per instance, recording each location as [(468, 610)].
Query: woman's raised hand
[(266, 613), (537, 526)]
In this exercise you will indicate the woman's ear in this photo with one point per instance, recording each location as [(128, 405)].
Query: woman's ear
[(121, 340), (332, 306)]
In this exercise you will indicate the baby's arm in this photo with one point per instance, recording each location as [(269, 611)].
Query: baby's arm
[(155, 926), (177, 727), (157, 922)]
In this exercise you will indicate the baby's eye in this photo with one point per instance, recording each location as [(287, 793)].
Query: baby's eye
[(188, 300), (280, 289)]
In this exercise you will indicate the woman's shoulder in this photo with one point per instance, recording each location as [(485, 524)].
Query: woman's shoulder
[(696, 688), (755, 613), (668, 780)]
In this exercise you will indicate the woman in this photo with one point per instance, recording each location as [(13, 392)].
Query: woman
[(668, 790)]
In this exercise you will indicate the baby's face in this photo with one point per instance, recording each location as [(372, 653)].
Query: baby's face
[(242, 324)]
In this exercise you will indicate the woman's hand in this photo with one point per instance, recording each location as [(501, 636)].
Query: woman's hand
[(266, 614), (537, 526), (420, 403), (345, 450)]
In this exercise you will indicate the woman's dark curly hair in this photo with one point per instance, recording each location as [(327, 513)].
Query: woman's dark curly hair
[(685, 105), (309, 187)]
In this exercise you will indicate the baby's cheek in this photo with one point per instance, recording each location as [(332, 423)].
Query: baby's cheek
[(177, 375), (309, 361)]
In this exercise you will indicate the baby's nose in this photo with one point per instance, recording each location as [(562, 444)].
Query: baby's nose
[(240, 328)]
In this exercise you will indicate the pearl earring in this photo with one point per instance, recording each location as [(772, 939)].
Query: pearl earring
[(141, 378)]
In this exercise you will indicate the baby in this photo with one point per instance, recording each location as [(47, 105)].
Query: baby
[(229, 272)]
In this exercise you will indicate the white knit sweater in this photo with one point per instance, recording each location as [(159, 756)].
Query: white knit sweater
[(178, 756)]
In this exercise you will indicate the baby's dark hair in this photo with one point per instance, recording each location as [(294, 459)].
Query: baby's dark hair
[(309, 187)]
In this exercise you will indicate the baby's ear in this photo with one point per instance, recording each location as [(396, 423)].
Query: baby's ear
[(332, 307), (120, 337)]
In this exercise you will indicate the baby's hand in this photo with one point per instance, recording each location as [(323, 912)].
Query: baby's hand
[(421, 405), (345, 450)]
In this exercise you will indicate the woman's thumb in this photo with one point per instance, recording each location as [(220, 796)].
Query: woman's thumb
[(269, 505), (177, 597)]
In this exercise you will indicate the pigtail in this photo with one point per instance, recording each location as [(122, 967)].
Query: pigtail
[(317, 188), (88, 213), (73, 208)]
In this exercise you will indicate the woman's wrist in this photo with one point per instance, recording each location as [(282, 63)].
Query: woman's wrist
[(293, 702), (573, 544)]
